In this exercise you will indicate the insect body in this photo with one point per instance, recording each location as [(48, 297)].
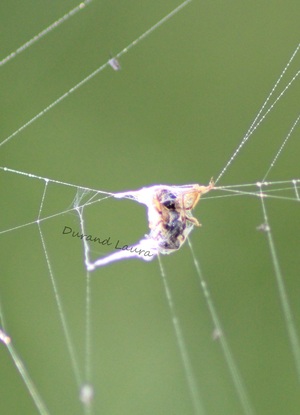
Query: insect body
[(173, 208)]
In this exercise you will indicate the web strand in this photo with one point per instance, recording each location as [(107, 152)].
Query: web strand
[(96, 72), (21, 368), (45, 32), (61, 312), (287, 312), (260, 117), (236, 377), (232, 190), (189, 373), (38, 401), (281, 148), (296, 189)]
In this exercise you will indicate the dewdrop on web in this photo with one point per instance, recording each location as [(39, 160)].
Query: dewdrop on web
[(170, 221), (4, 337), (86, 394)]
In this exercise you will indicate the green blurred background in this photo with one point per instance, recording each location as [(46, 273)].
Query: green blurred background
[(174, 114)]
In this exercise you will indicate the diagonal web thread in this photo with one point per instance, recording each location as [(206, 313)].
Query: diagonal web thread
[(96, 72)]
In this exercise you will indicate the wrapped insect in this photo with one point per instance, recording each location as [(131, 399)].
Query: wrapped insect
[(175, 220), (170, 221)]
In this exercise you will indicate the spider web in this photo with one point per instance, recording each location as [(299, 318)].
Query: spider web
[(139, 337)]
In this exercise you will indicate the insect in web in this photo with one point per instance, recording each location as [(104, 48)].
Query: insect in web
[(173, 206), (170, 221), (114, 63)]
